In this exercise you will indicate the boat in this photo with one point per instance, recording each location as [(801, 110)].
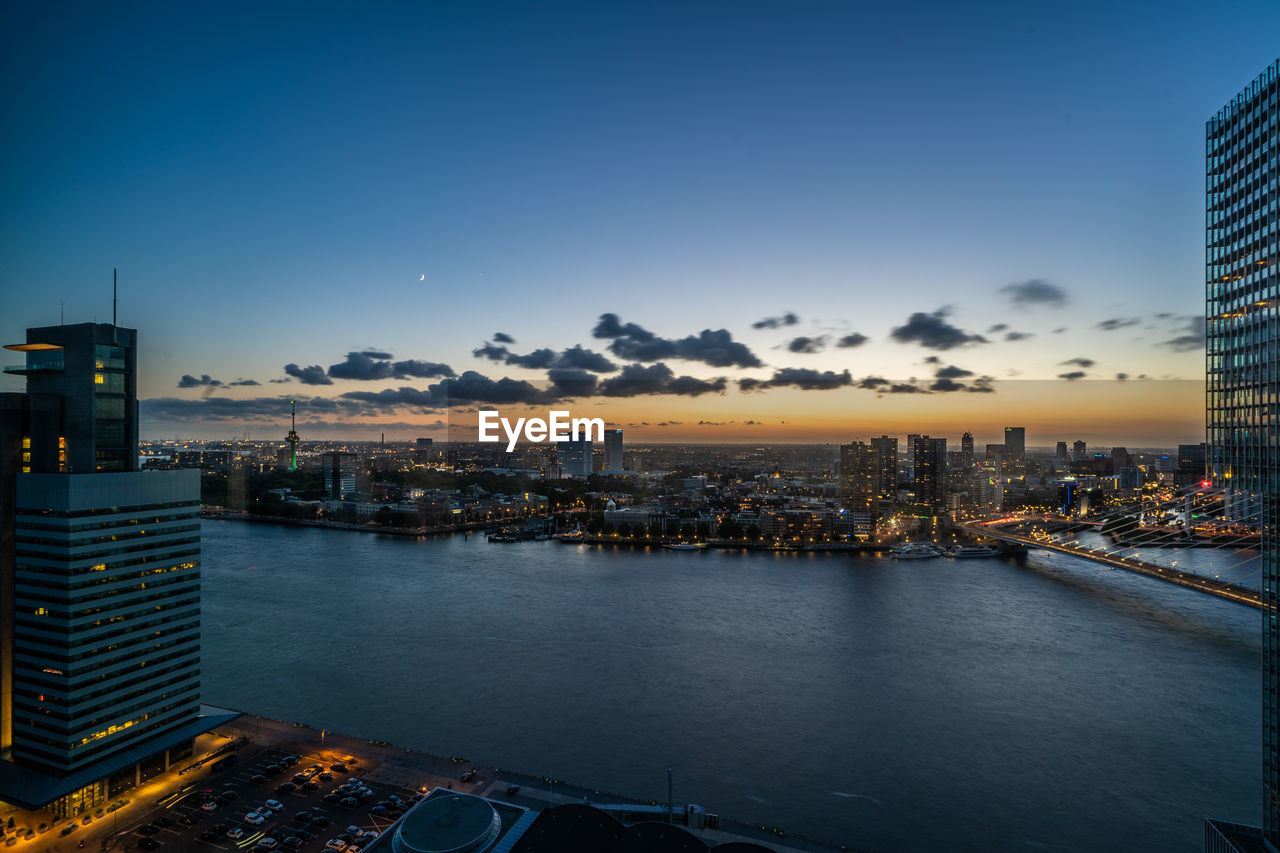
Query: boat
[(685, 546), (961, 552), (914, 551)]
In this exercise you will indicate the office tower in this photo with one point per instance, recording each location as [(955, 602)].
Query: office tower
[(1189, 469), (1242, 349), (859, 477), (574, 456), (1015, 443), (99, 581), (995, 452), (1062, 451), (1119, 459), (423, 453), (613, 450), (339, 470), (930, 465), (966, 450), (886, 450), (1079, 452)]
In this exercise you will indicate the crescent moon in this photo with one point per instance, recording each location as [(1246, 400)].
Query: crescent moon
[(422, 277)]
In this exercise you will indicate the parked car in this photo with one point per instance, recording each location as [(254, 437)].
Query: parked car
[(209, 805), (267, 842), (257, 778), (254, 819), (275, 805), (320, 820), (286, 787), (336, 844), (235, 833)]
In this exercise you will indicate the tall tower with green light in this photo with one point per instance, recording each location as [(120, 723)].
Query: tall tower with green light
[(292, 437)]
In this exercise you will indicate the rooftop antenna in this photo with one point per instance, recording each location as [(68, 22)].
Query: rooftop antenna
[(62, 313), (113, 296)]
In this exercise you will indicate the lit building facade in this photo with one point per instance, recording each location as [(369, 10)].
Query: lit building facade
[(1242, 356), (99, 582), (859, 486), (574, 456), (613, 450), (930, 457)]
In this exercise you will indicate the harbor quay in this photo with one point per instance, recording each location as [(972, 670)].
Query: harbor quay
[(170, 811)]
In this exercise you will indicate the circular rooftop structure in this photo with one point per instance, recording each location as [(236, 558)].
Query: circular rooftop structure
[(457, 823)]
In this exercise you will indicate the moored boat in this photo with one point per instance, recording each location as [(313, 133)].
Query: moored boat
[(914, 551)]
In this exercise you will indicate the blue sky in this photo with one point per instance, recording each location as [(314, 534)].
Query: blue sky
[(272, 182)]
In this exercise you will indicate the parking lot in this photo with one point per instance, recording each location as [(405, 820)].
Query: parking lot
[(229, 811)]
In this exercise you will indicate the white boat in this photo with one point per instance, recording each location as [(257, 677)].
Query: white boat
[(961, 552), (685, 546), (914, 551)]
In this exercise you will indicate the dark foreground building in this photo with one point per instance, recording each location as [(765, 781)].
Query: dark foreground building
[(1242, 367), (99, 582), (464, 823)]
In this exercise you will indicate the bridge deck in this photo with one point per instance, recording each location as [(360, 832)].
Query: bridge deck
[(1221, 589)]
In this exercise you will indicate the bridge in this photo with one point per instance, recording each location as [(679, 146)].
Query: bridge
[(1008, 530)]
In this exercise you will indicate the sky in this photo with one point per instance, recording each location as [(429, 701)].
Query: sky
[(828, 219)]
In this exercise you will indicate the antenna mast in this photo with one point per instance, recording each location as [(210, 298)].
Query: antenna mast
[(113, 296)]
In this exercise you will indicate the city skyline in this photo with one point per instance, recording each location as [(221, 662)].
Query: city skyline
[(349, 209)]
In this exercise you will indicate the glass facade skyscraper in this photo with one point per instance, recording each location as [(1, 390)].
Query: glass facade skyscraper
[(1242, 353)]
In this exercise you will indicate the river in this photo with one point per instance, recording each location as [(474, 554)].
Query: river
[(1038, 703)]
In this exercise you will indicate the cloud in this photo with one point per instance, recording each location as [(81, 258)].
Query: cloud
[(636, 343), (903, 388), (1018, 336), (228, 409), (576, 356), (1059, 330), (1117, 323), (787, 319), (372, 364), (853, 339), (932, 359), (806, 345), (543, 359), (638, 380), (1079, 362), (944, 384), (469, 388), (932, 331), (952, 372), (313, 375), (1122, 376), (1192, 339), (872, 382), (189, 381), (804, 378), (1072, 376), (503, 338), (998, 327), (244, 382), (1033, 292)]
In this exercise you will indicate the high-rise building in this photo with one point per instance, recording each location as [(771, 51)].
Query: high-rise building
[(574, 455), (1015, 443), (423, 452), (859, 469), (613, 450), (1242, 156), (886, 449), (930, 465), (339, 469), (966, 450), (1189, 468), (101, 662), (1079, 452), (1119, 458), (1062, 451)]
